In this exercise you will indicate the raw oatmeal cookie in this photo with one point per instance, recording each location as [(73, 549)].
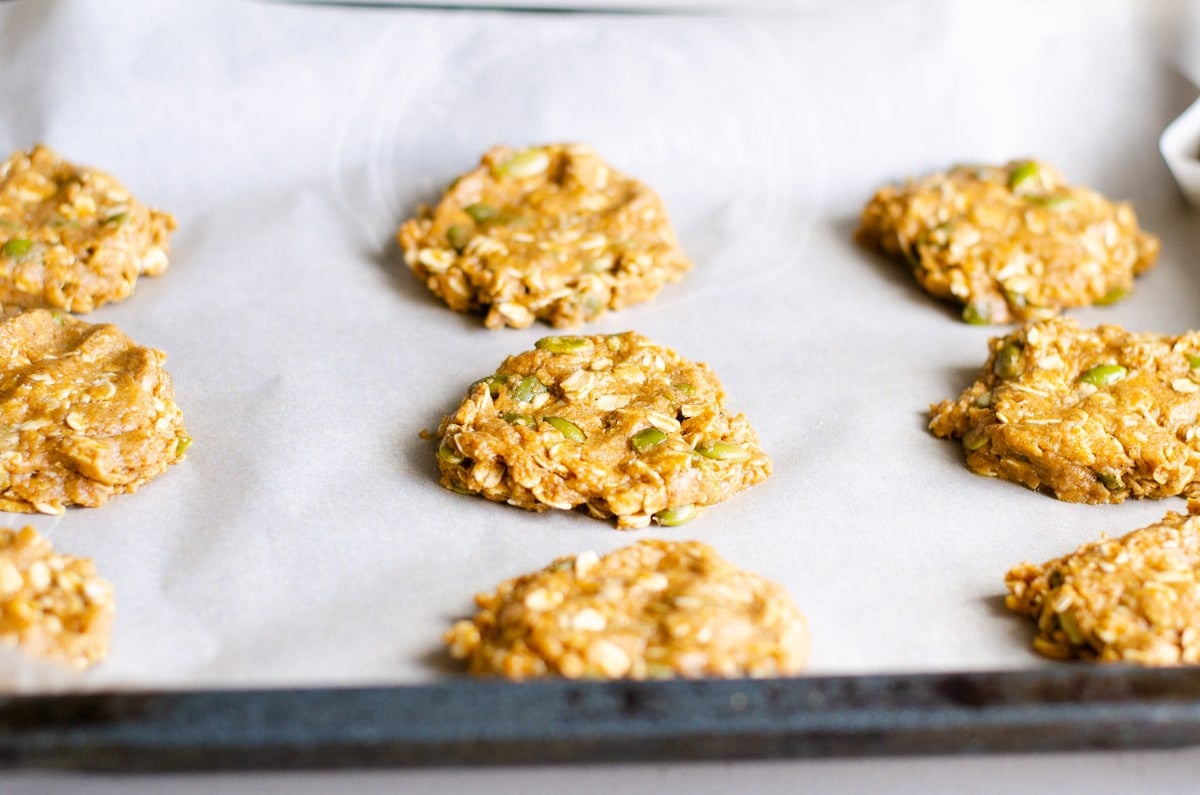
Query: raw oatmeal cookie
[(1089, 415), (73, 237), (656, 609), (1135, 599), (614, 423), (84, 413), (1010, 243), (550, 232), (52, 605)]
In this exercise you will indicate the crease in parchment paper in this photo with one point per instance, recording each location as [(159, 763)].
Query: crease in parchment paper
[(691, 127)]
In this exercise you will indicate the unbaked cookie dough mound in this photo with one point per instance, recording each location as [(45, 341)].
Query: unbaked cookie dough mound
[(1134, 600), (550, 233), (614, 424), (656, 609), (1090, 415), (84, 413), (73, 237), (51, 605), (1010, 243)]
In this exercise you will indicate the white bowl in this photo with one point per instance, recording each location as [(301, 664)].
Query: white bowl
[(1180, 147)]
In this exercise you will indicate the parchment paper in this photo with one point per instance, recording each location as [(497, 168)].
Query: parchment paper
[(306, 541)]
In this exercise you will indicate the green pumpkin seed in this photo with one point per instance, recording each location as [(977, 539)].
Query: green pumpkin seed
[(1104, 375), (528, 163), (1055, 203), (983, 401), (182, 445), (458, 236), (1193, 360), (1111, 482), (1015, 299), (481, 213), (563, 344), (450, 455), (723, 451), (17, 247), (975, 439), (527, 389), (567, 428), (514, 418), (116, 219), (648, 439), (1112, 296), (977, 314), (1008, 362), (494, 382), (686, 389), (673, 517), (460, 490), (1022, 173)]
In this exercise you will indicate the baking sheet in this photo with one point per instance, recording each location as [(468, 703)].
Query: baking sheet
[(484, 722), (305, 541)]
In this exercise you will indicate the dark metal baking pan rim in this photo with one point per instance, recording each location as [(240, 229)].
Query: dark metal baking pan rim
[(476, 722)]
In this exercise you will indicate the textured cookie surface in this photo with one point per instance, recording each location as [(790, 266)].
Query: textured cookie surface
[(614, 423), (1010, 243), (1090, 415), (52, 605), (73, 237), (652, 610), (84, 413), (1135, 599), (550, 233)]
